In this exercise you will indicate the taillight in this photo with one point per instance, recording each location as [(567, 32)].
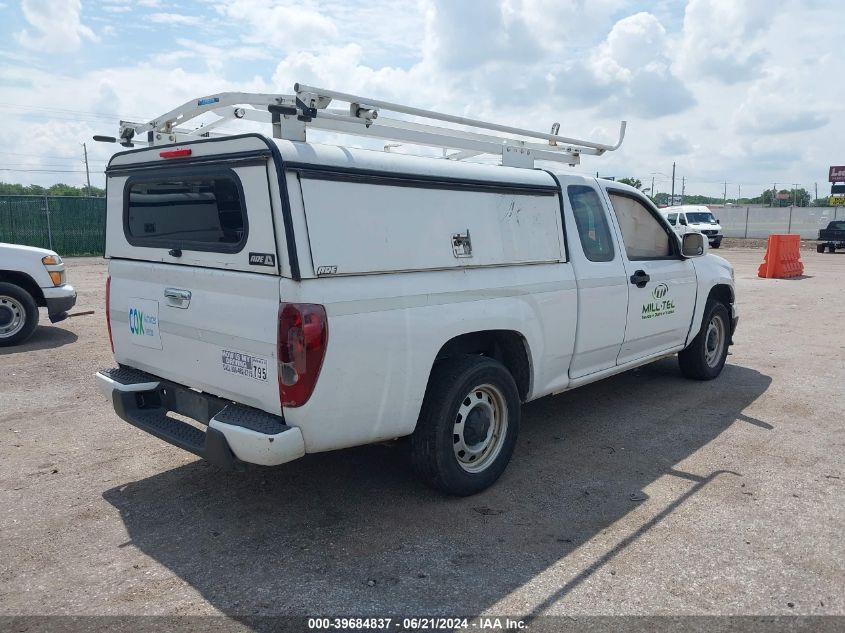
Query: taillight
[(301, 347), (108, 311)]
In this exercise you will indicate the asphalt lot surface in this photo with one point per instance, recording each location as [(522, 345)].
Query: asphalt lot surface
[(642, 494)]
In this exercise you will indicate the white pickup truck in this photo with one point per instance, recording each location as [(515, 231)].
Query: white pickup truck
[(293, 298), (30, 277)]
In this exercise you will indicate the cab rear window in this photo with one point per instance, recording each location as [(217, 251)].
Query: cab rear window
[(201, 211)]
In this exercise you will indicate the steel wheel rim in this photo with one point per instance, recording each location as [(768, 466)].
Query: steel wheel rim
[(714, 341), (480, 427), (12, 316)]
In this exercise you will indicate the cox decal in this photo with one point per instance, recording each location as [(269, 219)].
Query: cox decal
[(136, 322)]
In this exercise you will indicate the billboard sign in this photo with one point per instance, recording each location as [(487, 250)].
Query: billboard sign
[(837, 173)]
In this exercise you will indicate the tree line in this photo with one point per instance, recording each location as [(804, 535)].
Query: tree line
[(59, 189), (784, 198)]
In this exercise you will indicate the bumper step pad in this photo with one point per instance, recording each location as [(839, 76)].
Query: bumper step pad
[(128, 376), (251, 419)]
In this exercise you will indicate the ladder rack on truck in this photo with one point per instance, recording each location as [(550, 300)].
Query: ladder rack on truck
[(292, 115)]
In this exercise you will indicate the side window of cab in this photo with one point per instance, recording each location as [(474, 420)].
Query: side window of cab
[(672, 218), (644, 235), (590, 218)]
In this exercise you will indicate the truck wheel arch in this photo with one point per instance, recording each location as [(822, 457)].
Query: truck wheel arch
[(509, 347), (26, 282), (723, 293)]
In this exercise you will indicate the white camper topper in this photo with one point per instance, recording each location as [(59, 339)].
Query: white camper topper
[(293, 297)]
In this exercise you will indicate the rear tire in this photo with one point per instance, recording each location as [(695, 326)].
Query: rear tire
[(468, 425), (18, 315), (717, 244), (705, 357), (831, 249), (820, 248)]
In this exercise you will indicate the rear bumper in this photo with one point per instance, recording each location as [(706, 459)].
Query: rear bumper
[(233, 434), (59, 300)]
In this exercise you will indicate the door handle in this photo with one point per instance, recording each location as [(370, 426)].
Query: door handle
[(640, 278), (177, 297)]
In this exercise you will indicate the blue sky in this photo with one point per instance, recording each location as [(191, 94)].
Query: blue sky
[(738, 91)]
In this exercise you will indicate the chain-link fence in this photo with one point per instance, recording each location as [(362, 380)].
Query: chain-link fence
[(66, 224)]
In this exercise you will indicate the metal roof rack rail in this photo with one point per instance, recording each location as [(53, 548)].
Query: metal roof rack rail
[(291, 116)]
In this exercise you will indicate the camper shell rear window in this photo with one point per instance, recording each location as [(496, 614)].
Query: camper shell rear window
[(198, 209)]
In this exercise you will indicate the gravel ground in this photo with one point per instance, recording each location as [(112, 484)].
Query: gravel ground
[(642, 494)]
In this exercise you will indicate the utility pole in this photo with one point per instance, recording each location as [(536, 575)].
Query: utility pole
[(774, 194), (725, 196), (817, 193), (87, 173), (738, 193), (683, 187), (652, 188), (794, 193), (672, 199)]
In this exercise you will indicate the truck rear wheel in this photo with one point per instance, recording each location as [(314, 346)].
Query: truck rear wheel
[(18, 315), (831, 248), (820, 248), (468, 425), (704, 358)]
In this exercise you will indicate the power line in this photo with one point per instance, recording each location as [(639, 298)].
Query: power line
[(48, 171), (25, 106)]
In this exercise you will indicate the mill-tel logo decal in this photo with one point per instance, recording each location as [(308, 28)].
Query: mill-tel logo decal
[(661, 305)]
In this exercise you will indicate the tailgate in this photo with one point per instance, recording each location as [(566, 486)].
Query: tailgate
[(194, 274)]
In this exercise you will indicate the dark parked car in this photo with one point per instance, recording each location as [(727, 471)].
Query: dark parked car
[(832, 237)]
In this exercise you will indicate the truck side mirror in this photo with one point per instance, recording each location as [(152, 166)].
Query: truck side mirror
[(692, 245), (683, 221)]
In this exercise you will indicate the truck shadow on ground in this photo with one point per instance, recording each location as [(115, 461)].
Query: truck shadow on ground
[(353, 532), (44, 337)]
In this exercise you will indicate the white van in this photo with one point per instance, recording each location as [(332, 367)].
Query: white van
[(691, 218), (293, 298)]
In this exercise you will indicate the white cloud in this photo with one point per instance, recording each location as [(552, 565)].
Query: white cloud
[(773, 105), (281, 26), (632, 69), (675, 144), (56, 24), (471, 33), (174, 18), (117, 8), (722, 39)]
